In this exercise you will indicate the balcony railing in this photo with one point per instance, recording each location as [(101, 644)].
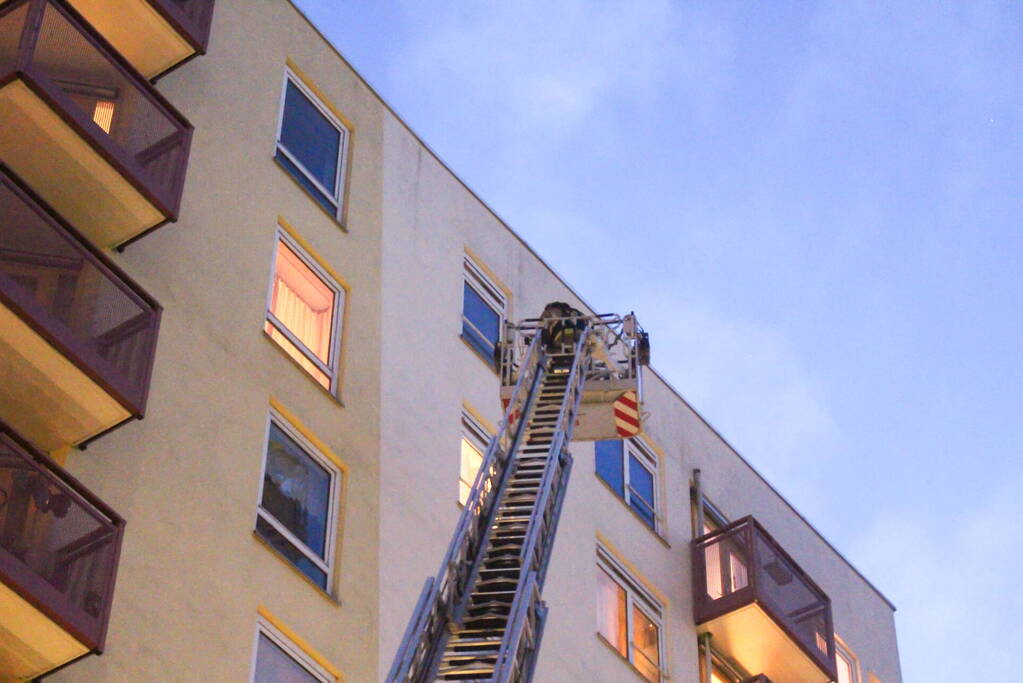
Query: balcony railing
[(743, 578), (83, 128), (59, 549), (154, 35), (77, 336)]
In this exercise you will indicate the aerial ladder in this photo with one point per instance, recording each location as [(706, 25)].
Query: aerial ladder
[(564, 376)]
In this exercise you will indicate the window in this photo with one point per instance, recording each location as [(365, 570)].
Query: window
[(628, 618), (298, 502), (312, 144), (474, 447), (97, 102), (279, 660), (304, 311), (633, 478), (848, 668), (483, 310)]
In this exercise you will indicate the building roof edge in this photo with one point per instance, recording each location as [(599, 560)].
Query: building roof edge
[(564, 282)]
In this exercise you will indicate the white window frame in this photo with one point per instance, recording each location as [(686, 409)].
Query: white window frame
[(635, 595), (330, 369), (488, 291), (635, 447), (325, 564), (336, 195), (842, 651), (475, 433), (300, 656)]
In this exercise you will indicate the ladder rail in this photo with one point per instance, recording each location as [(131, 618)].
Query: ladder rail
[(543, 524), (420, 650)]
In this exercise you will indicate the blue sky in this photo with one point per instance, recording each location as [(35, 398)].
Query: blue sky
[(814, 208)]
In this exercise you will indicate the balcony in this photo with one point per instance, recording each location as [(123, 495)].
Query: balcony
[(59, 547), (154, 35), (84, 130), (77, 337), (761, 609)]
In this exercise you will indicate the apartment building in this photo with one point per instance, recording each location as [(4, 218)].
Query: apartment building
[(247, 322)]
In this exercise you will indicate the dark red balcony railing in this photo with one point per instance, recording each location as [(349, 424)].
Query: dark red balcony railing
[(740, 565), (74, 297), (86, 82), (191, 18), (154, 35), (59, 544)]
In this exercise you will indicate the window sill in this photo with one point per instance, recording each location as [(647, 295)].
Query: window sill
[(273, 551), (632, 667), (656, 534), (489, 362), (305, 373), (337, 221)]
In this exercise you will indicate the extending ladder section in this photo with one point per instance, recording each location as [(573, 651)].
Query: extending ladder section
[(482, 618)]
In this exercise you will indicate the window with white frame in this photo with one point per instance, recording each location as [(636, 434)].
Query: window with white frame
[(312, 144), (474, 447), (304, 311), (630, 469), (298, 501), (845, 660), (483, 311), (279, 660), (629, 617)]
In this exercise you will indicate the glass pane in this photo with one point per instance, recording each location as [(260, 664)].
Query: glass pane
[(645, 655), (472, 458), (289, 550), (274, 665), (296, 490), (310, 138), (845, 672), (303, 302), (481, 324), (611, 611), (641, 490), (299, 356), (328, 204), (609, 465)]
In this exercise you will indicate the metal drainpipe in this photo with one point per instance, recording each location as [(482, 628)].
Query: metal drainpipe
[(708, 660), (700, 521)]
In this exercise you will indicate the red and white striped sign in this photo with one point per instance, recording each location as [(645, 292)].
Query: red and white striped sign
[(626, 409)]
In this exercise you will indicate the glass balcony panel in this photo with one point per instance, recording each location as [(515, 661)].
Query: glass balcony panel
[(58, 553), (75, 305), (760, 606), (84, 130)]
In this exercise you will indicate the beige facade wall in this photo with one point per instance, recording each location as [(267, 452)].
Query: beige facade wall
[(186, 478)]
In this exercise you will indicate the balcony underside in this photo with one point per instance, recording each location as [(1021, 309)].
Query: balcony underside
[(138, 32), (67, 172), (30, 642), (752, 638), (43, 395)]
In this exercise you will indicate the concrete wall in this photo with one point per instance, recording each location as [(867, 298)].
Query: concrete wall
[(186, 478)]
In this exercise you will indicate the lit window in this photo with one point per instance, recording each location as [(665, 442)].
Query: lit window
[(633, 478), (848, 668), (628, 618), (474, 446), (483, 310), (312, 144), (279, 660), (298, 502), (303, 315), (99, 103)]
